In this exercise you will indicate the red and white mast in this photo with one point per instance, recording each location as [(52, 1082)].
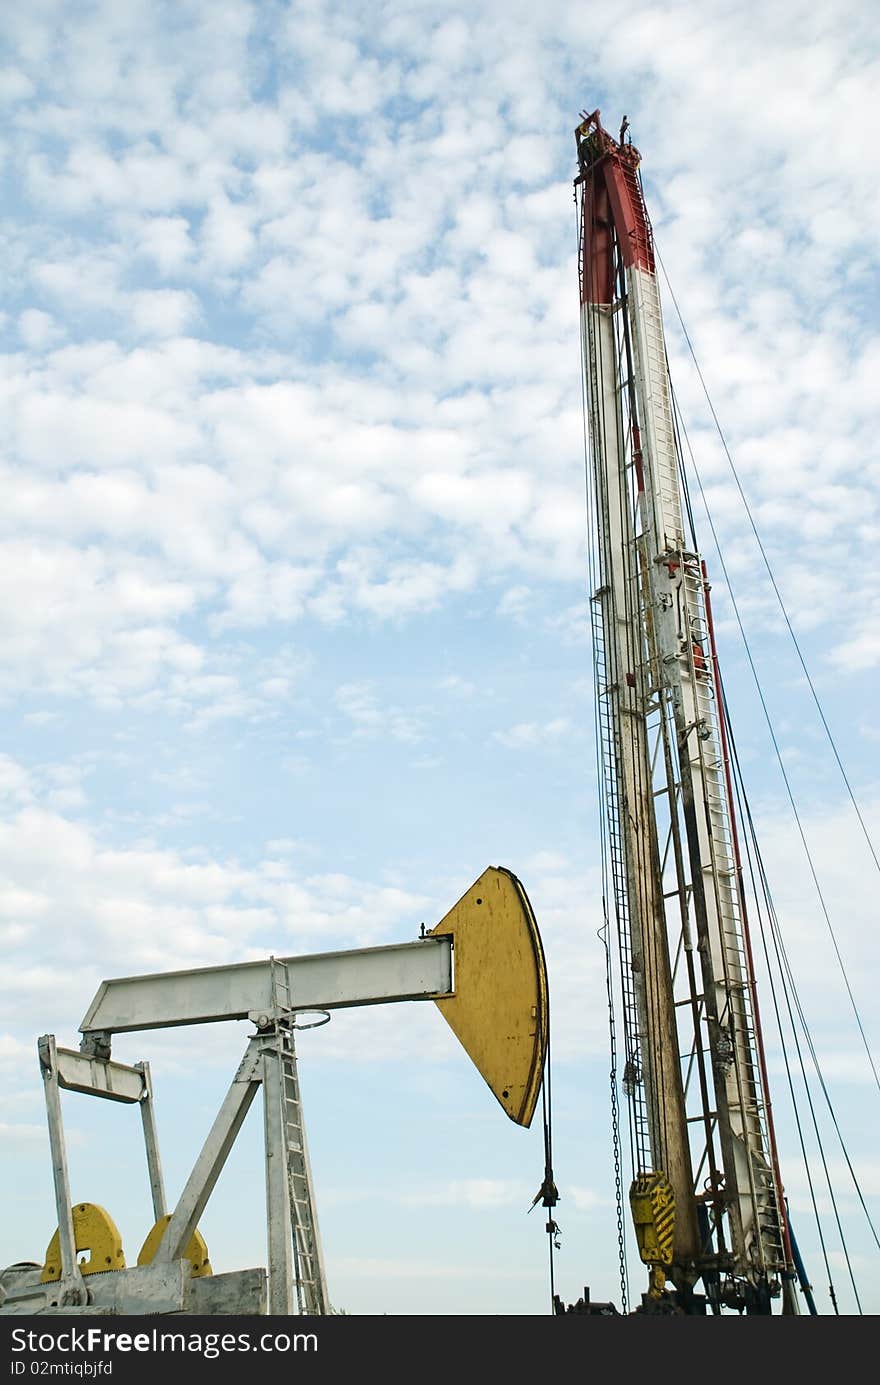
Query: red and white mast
[(706, 1194)]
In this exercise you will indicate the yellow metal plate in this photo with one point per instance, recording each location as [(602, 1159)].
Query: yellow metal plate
[(499, 1008), (196, 1252), (95, 1231)]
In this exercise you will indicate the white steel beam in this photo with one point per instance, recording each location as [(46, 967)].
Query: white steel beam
[(278, 1190), (78, 1072), (680, 624), (151, 1144), (48, 1056), (209, 1165), (420, 970), (626, 695)]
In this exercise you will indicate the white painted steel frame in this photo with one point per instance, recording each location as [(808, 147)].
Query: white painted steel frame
[(48, 1056), (209, 1164), (626, 696), (420, 970), (678, 624)]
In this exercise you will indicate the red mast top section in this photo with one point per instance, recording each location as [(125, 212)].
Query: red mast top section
[(612, 202)]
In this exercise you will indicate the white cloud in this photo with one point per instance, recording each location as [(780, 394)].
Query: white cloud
[(14, 85), (527, 734), (515, 602), (162, 312), (21, 1134), (15, 782), (38, 329), (166, 241), (478, 1193), (13, 1050), (458, 686), (587, 1199), (227, 240), (861, 651), (358, 702)]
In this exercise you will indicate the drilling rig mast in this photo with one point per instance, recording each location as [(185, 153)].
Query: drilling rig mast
[(706, 1195)]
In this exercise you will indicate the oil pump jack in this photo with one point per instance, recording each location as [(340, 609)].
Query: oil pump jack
[(706, 1196), (483, 966)]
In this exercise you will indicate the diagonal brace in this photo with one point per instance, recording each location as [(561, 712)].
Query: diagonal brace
[(215, 1151)]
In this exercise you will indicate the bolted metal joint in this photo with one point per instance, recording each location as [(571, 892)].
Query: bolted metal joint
[(96, 1044)]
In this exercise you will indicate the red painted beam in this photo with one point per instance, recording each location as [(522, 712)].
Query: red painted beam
[(597, 270), (628, 208), (612, 205)]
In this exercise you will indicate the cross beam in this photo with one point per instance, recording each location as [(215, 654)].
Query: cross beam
[(419, 970)]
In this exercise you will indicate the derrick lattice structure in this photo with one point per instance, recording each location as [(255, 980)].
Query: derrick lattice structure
[(701, 1136)]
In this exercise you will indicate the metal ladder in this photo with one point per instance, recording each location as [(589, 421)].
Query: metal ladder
[(309, 1278), (745, 1098), (608, 676), (632, 1078)]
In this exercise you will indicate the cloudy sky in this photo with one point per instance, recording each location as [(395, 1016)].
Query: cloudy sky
[(294, 571)]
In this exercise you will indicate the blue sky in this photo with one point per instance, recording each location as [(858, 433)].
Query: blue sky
[(294, 584)]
